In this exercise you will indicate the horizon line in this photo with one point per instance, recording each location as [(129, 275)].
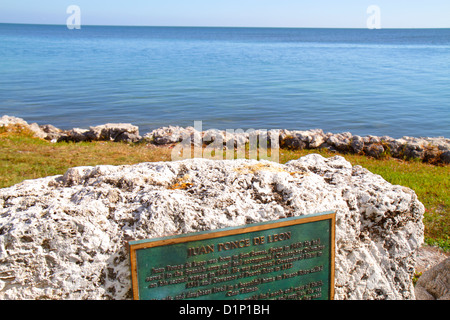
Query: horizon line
[(248, 27)]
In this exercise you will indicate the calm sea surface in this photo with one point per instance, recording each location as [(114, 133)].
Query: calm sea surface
[(379, 82)]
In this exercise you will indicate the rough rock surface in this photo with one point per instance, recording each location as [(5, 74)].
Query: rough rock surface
[(428, 257), (169, 135), (64, 237), (107, 132), (434, 284)]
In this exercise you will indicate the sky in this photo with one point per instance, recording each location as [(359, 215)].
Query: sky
[(232, 13)]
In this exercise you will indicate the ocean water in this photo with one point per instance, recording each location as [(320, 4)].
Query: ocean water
[(392, 82)]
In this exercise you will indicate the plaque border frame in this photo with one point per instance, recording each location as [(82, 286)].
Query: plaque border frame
[(133, 246)]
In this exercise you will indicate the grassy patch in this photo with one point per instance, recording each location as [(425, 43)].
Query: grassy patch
[(24, 157)]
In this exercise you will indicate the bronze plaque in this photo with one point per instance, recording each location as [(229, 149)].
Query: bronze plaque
[(286, 259)]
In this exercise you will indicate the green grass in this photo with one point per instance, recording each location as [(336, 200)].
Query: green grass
[(24, 157), (430, 182)]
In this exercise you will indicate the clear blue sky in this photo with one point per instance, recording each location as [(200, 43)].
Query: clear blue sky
[(243, 13)]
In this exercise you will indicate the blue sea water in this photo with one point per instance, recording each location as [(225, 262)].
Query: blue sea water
[(392, 82)]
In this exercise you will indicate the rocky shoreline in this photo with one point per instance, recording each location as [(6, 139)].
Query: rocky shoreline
[(380, 229), (427, 149)]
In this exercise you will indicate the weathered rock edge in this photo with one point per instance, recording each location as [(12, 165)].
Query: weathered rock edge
[(434, 284), (431, 150), (64, 237)]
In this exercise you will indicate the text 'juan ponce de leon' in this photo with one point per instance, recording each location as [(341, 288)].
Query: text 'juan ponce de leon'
[(237, 244)]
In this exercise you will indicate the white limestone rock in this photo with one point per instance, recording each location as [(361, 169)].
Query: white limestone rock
[(64, 237), (111, 131), (11, 120), (172, 134)]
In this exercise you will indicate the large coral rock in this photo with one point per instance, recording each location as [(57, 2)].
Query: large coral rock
[(64, 237)]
